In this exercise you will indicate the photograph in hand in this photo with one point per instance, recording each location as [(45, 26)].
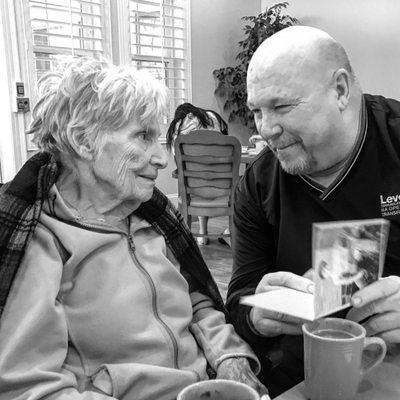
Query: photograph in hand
[(346, 256)]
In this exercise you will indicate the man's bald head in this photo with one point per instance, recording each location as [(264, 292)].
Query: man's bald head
[(305, 99), (299, 50)]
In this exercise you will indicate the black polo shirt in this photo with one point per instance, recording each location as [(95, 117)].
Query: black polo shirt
[(274, 212)]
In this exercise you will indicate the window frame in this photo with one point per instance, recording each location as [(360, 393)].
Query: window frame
[(20, 66), (13, 146), (161, 59), (31, 48)]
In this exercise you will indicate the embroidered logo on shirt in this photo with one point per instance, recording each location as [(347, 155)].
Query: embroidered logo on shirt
[(390, 205)]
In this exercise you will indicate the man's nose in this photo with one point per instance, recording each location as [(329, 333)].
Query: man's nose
[(159, 156), (269, 128)]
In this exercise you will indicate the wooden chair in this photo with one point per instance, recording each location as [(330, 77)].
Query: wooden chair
[(208, 171)]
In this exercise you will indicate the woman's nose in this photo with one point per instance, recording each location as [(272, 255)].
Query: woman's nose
[(159, 156)]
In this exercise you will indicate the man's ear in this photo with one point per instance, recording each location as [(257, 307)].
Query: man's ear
[(341, 82)]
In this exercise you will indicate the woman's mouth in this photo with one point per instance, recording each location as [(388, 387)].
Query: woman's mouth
[(149, 177)]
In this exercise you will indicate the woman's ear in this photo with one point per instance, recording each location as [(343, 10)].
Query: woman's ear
[(82, 148), (86, 152), (341, 82)]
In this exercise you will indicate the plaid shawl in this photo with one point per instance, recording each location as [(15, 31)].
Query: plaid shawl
[(21, 204)]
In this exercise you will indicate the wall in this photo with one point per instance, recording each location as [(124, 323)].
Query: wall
[(369, 30), (165, 182), (215, 30), (214, 45)]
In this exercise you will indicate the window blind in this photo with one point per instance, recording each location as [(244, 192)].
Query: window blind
[(73, 27), (158, 32)]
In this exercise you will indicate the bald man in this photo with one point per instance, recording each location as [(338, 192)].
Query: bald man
[(333, 154)]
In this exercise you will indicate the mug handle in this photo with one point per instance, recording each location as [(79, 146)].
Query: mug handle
[(372, 361)]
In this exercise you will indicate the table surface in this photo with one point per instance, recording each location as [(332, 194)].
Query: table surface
[(383, 383)]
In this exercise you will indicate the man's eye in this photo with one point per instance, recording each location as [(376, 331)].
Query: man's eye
[(282, 107)]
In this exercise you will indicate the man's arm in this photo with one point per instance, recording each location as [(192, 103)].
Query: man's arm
[(254, 270), (253, 248)]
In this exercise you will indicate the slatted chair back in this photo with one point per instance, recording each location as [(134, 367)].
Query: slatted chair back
[(208, 171)]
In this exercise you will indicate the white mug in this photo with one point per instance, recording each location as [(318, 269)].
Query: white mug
[(260, 144), (218, 389)]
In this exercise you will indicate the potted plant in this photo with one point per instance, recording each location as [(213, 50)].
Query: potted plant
[(231, 81)]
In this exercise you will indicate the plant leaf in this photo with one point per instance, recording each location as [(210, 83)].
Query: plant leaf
[(231, 81)]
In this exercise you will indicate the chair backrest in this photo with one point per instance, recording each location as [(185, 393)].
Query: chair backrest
[(208, 170)]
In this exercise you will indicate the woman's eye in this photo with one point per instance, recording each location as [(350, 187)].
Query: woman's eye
[(142, 136)]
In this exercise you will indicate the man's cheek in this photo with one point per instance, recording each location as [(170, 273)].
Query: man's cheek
[(258, 125)]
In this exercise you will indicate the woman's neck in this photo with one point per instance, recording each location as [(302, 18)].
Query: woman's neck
[(80, 190)]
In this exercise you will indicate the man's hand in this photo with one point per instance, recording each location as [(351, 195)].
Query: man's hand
[(238, 369), (270, 323), (380, 303)]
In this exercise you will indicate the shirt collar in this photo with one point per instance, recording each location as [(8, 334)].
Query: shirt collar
[(56, 206)]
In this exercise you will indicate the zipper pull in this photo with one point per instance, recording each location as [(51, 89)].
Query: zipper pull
[(131, 242)]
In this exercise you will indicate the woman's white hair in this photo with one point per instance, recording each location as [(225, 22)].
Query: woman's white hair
[(86, 98)]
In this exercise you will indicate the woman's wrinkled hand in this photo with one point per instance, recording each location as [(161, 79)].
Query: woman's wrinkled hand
[(238, 369)]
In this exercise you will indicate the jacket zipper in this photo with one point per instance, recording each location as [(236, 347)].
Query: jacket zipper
[(132, 250)]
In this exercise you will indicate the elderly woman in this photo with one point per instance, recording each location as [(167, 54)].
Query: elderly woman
[(104, 294)]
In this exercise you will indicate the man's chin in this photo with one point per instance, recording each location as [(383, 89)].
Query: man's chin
[(301, 167)]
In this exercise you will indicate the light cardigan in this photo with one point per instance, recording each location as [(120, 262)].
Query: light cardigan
[(21, 202)]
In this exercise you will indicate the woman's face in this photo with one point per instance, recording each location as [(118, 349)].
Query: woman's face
[(127, 166)]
